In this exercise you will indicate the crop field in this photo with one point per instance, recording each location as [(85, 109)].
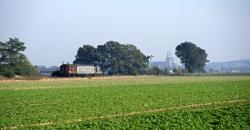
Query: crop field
[(142, 102)]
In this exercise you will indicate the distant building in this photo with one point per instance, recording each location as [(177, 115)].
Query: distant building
[(168, 63)]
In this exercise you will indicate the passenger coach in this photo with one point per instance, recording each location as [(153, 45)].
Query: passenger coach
[(79, 70)]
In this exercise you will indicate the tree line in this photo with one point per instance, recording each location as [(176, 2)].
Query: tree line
[(116, 58), (113, 58)]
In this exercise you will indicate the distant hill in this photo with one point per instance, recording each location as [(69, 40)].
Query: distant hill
[(238, 66)]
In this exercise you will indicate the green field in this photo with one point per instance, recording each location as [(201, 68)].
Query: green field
[(191, 102)]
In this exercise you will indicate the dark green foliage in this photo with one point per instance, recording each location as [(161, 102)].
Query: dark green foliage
[(113, 58), (87, 54), (25, 68), (13, 61), (10, 51), (194, 58), (56, 73), (7, 71)]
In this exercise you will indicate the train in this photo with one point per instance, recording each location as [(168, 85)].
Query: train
[(74, 70)]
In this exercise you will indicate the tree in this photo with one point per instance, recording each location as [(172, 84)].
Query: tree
[(113, 57), (25, 68), (87, 54), (111, 54), (13, 61), (11, 51), (194, 58), (124, 59)]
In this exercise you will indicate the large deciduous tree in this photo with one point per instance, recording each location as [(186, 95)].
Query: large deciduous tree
[(193, 57), (11, 51), (13, 61), (87, 54), (114, 58)]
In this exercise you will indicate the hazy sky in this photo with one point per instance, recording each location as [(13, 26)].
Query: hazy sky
[(53, 30)]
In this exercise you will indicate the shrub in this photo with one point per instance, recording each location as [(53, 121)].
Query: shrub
[(56, 73)]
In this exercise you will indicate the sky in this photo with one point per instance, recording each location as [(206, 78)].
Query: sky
[(53, 30)]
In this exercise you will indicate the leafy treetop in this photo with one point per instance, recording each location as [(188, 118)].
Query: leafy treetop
[(194, 58)]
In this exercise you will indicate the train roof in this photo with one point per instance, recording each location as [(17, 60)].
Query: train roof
[(76, 65)]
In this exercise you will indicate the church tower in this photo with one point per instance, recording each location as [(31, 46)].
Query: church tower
[(169, 61)]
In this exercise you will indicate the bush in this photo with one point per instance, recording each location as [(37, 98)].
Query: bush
[(7, 71), (26, 69), (56, 73)]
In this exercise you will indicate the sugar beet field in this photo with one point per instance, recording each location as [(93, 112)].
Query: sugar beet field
[(188, 102)]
